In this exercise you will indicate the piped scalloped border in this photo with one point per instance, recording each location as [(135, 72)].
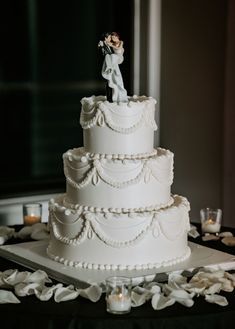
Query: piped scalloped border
[(113, 267), (81, 208), (96, 171), (90, 227), (101, 111), (86, 156)]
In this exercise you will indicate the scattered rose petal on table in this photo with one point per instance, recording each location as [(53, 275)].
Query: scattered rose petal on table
[(229, 241), (63, 294), (231, 277), (24, 233), (15, 277), (38, 231), (6, 233), (159, 301), (8, 297), (216, 299), (155, 289), (210, 237), (38, 276), (207, 275), (213, 288), (227, 284), (177, 278), (193, 232), (225, 234), (47, 292), (93, 293), (205, 282), (182, 297), (26, 289), (140, 295), (171, 286), (196, 287)]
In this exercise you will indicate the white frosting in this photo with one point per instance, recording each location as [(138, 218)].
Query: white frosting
[(93, 240), (120, 128), (118, 212), (126, 183)]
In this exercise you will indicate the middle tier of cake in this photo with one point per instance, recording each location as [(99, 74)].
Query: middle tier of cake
[(119, 182)]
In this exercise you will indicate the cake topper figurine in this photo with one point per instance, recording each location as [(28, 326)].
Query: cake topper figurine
[(112, 50)]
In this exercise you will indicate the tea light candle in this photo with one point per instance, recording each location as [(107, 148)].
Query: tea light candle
[(118, 294), (118, 303), (211, 220), (210, 226), (31, 219), (32, 213)]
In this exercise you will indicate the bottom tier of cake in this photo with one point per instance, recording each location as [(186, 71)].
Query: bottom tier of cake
[(119, 241)]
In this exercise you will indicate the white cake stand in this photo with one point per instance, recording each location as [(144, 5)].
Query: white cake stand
[(33, 255)]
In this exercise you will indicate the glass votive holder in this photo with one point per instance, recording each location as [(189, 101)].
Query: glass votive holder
[(32, 213), (210, 220), (118, 295)]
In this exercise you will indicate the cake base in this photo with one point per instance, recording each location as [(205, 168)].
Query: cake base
[(33, 255)]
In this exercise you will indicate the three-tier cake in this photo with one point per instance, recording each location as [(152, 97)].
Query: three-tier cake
[(118, 212)]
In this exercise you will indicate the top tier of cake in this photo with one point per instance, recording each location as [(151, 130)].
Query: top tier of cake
[(113, 128)]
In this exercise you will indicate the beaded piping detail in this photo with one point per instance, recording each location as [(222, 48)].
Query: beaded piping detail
[(96, 173), (91, 228), (101, 113), (78, 208), (79, 154), (103, 267)]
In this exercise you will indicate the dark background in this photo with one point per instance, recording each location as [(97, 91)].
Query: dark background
[(49, 61)]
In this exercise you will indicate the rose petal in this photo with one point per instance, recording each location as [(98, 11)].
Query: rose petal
[(155, 289), (6, 233), (24, 233), (177, 278), (229, 241), (231, 277), (26, 289), (38, 276), (15, 277), (210, 237), (47, 292), (216, 299), (8, 297), (183, 297), (65, 293), (160, 301), (196, 287), (92, 293), (193, 232), (214, 288), (225, 234)]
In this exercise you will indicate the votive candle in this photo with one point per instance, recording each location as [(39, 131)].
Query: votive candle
[(32, 213)]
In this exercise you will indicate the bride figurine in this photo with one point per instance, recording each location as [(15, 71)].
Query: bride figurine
[(112, 49), (117, 45)]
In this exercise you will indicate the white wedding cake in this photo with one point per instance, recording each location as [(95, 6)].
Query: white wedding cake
[(118, 212)]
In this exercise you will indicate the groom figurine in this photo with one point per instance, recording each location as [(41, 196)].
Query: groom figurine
[(104, 44), (106, 50)]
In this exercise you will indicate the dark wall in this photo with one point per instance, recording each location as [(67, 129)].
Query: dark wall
[(229, 121), (192, 97)]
